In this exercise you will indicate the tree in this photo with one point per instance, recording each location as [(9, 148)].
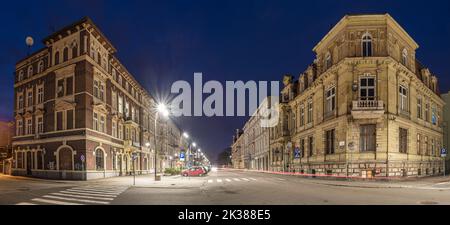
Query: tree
[(224, 157)]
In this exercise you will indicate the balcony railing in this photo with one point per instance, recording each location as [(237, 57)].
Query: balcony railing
[(368, 105), (367, 109)]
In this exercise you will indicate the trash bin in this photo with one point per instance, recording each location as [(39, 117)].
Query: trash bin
[(158, 178)]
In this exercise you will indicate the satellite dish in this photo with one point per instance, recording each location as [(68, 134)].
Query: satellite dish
[(29, 41)]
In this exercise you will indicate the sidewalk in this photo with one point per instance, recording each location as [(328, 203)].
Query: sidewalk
[(438, 182)]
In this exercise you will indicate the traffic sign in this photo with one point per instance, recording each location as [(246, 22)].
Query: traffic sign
[(297, 153), (82, 158), (182, 156), (443, 152)]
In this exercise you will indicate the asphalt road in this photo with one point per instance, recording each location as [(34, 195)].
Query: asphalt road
[(225, 187)]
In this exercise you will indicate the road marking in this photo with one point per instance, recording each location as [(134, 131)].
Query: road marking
[(25, 203), (280, 179), (75, 199), (228, 180), (252, 178), (48, 201), (85, 193), (95, 191), (81, 196), (219, 180), (245, 179), (236, 179), (210, 181)]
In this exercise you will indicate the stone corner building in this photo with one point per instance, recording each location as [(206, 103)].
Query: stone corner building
[(365, 106), (74, 100)]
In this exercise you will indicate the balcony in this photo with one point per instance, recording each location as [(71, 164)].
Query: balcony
[(367, 109)]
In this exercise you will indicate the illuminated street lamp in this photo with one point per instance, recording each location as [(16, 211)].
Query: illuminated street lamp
[(160, 109)]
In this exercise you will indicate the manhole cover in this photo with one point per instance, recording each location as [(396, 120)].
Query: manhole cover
[(428, 203)]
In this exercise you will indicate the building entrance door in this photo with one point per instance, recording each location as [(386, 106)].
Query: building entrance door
[(29, 163)]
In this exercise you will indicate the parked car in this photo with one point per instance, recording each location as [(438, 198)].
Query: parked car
[(194, 171)]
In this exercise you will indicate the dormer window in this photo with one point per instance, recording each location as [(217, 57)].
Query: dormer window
[(405, 57), (56, 57), (366, 45), (20, 78), (65, 54), (41, 66)]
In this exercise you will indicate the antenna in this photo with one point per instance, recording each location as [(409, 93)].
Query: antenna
[(29, 41)]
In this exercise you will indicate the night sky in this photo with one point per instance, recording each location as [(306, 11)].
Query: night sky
[(164, 41)]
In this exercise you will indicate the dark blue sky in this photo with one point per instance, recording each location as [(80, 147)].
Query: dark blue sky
[(164, 41)]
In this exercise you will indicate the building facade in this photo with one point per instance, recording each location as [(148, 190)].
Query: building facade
[(446, 98), (6, 134), (365, 107), (79, 114)]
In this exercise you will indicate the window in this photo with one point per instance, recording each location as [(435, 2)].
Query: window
[(99, 159), (419, 144), (119, 80), (114, 129), (40, 125), (310, 111), (59, 120), (133, 114), (329, 142), (427, 152), (403, 99), (74, 51), (433, 115), (403, 140), (19, 128), (419, 107), (367, 88), (41, 66), (114, 100), (20, 77), (60, 88), (328, 62), (311, 146), (367, 140), (40, 94), (127, 109), (30, 98), (99, 89), (330, 99), (95, 121), (302, 115), (29, 124), (102, 124), (427, 111), (405, 57), (56, 57), (433, 148), (69, 85), (65, 54), (120, 105), (69, 119), (114, 74), (366, 45), (30, 71), (20, 101), (120, 134)]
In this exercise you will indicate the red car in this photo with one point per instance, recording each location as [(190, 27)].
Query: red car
[(194, 171)]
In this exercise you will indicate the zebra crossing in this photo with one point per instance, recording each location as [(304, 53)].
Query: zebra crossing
[(230, 180), (82, 195)]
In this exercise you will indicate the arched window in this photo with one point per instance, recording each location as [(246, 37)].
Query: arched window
[(74, 51), (65, 159), (404, 56), (65, 54), (20, 77), (99, 58), (99, 159), (41, 66), (366, 45), (30, 71), (56, 57)]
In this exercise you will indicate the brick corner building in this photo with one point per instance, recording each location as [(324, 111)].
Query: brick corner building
[(79, 113)]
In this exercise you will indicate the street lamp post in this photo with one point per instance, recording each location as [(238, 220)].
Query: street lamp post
[(161, 109)]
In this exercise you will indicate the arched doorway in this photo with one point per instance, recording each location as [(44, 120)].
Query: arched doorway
[(65, 159), (29, 162)]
